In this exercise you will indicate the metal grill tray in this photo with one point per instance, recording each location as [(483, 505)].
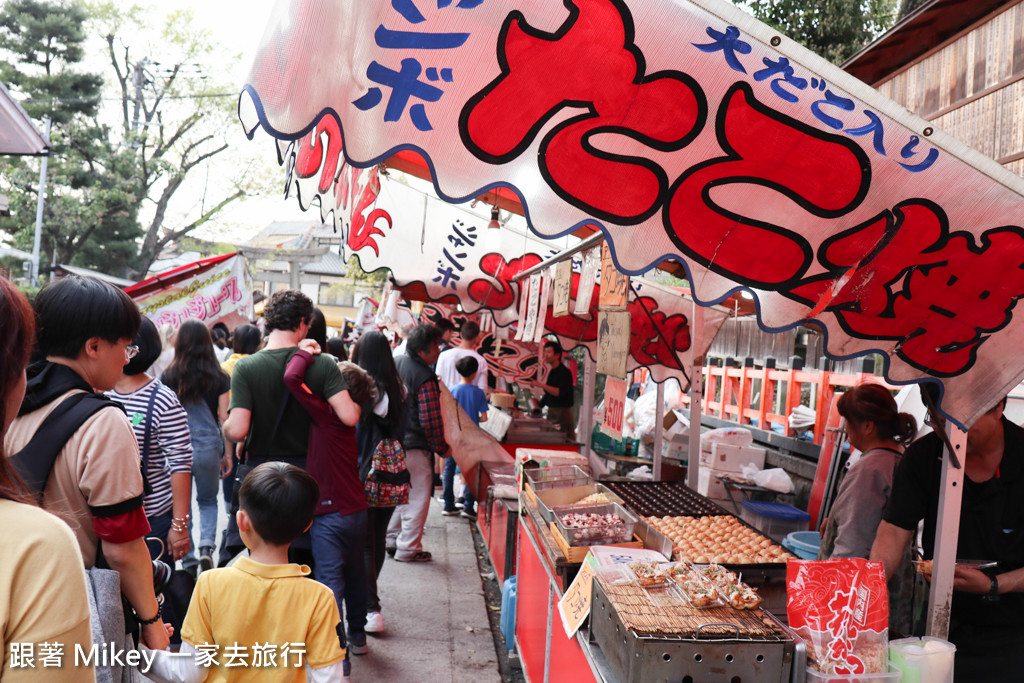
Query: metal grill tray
[(715, 645), (660, 498), (675, 499)]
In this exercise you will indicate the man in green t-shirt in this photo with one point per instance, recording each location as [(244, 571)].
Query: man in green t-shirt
[(262, 412)]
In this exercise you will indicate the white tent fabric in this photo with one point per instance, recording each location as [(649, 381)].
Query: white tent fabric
[(687, 130), (443, 250)]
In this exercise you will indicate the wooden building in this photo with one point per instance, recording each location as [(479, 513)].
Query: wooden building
[(960, 65)]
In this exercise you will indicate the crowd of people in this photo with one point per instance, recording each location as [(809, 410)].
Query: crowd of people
[(327, 466), (275, 421)]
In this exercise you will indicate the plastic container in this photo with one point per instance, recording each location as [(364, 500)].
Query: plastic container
[(803, 544), (508, 612), (569, 496), (541, 478), (603, 535), (776, 520), (818, 677), (602, 443), (922, 660)]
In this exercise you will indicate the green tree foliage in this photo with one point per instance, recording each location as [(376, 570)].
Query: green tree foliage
[(909, 6), (175, 118), (128, 172), (47, 41), (90, 213), (834, 29), (360, 276)]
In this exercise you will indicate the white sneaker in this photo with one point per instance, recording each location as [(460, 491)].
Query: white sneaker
[(374, 622)]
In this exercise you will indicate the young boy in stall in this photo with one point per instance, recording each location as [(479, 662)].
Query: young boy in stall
[(262, 617), (474, 402)]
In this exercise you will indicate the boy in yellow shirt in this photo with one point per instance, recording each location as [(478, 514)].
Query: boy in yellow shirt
[(261, 618)]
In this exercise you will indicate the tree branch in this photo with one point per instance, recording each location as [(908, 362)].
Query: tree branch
[(172, 235), (154, 244), (187, 125), (160, 92), (186, 167), (122, 80)]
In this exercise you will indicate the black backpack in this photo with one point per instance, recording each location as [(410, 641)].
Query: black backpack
[(35, 461)]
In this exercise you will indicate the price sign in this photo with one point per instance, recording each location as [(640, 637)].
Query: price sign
[(614, 285), (575, 604), (614, 407)]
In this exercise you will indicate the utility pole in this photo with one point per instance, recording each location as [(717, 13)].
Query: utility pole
[(139, 80), (40, 201)]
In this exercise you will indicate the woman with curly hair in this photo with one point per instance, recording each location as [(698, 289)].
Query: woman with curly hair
[(203, 389)]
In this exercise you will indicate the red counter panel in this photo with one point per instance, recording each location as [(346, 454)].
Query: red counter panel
[(532, 600), (567, 662), (536, 602)]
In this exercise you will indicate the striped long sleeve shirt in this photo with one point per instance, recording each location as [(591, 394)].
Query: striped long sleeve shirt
[(170, 449)]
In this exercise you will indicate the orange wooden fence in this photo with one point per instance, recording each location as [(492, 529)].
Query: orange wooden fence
[(768, 395)]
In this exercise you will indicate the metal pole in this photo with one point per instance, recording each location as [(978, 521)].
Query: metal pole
[(696, 393), (587, 243), (40, 201), (940, 598), (139, 80), (659, 428), (587, 409)]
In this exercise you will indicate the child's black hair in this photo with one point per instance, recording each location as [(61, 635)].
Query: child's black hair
[(280, 500), (467, 366), (72, 310)]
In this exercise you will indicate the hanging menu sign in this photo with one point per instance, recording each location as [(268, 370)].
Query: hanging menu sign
[(561, 289), (542, 308), (530, 328), (524, 299), (612, 342), (614, 285), (588, 277)]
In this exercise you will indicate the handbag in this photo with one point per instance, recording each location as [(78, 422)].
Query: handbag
[(387, 484)]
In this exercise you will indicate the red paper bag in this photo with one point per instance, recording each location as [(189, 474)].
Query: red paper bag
[(841, 610)]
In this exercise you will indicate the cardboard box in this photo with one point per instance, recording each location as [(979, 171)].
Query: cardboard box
[(729, 458), (677, 450), (675, 425), (709, 486)]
